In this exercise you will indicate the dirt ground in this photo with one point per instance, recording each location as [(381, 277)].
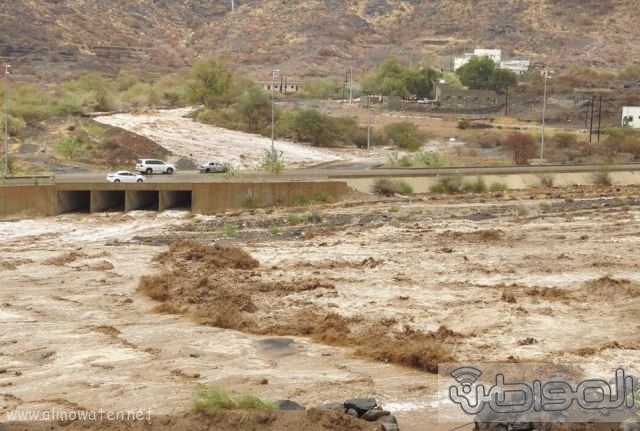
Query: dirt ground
[(315, 304)]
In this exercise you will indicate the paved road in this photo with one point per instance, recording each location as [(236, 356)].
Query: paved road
[(344, 170)]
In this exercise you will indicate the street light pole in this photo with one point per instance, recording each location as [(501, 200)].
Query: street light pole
[(5, 163), (273, 79), (368, 121), (544, 108)]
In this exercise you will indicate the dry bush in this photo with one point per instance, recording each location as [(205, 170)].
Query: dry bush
[(549, 293), (417, 349), (521, 146), (65, 258), (483, 235), (610, 287), (508, 296)]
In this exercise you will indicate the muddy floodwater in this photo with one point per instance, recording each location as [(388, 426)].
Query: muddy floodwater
[(313, 304)]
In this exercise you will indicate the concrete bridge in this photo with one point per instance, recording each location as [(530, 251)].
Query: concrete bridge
[(205, 198)]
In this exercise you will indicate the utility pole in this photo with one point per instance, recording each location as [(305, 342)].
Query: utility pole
[(544, 108), (233, 5), (368, 121), (350, 84), (593, 104), (274, 72), (5, 162), (506, 100), (599, 115)]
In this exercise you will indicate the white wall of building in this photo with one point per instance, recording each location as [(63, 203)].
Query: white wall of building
[(631, 116)]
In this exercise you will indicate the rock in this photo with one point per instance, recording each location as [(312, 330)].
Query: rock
[(361, 405), (288, 405), (338, 407), (389, 423), (373, 415), (353, 412), (390, 420)]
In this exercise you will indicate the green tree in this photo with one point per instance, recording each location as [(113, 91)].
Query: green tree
[(420, 81), (394, 79), (90, 92), (316, 128), (254, 108), (482, 73), (210, 84), (403, 134)]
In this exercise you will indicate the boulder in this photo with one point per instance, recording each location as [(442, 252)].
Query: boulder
[(361, 405), (353, 412), (288, 405), (374, 414)]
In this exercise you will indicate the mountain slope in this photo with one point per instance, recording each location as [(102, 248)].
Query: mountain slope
[(54, 38)]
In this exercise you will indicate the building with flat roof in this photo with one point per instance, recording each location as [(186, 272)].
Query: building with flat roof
[(631, 116)]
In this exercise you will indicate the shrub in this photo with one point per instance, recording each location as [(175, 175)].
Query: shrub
[(564, 139), (403, 135), (522, 146), (72, 147), (463, 124), (294, 218), (272, 161), (229, 230), (602, 177), (546, 180), (212, 400), (497, 187), (251, 202), (387, 187), (489, 140), (447, 185), (476, 186), (508, 296), (14, 124)]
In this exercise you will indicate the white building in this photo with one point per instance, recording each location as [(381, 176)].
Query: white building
[(517, 66), (631, 116)]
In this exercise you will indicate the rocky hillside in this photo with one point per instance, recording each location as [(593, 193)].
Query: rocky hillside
[(53, 39)]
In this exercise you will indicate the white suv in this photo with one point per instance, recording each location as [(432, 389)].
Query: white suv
[(154, 166)]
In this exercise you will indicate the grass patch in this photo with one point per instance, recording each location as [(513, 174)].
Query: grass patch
[(251, 202), (229, 230), (317, 197), (274, 231), (272, 161), (522, 211), (387, 187), (294, 218), (212, 401)]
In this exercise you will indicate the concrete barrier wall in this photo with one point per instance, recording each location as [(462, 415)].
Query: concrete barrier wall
[(205, 198), (39, 199), (224, 196), (510, 181)]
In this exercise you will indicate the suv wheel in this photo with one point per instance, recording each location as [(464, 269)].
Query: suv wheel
[(169, 171), (149, 171)]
